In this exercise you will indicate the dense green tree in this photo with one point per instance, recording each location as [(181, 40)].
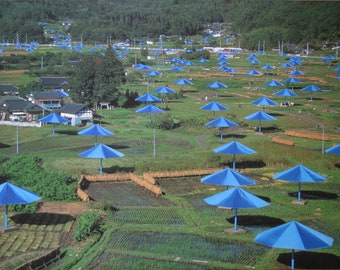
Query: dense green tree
[(97, 78)]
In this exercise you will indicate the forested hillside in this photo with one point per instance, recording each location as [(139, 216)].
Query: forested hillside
[(93, 21)]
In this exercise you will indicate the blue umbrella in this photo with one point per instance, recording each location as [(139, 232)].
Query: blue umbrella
[(101, 151), (292, 80), (274, 83), (333, 150), (267, 68), (203, 60), (176, 68), (227, 177), (311, 88), (236, 198), (252, 73), (183, 81), (285, 93), (150, 109), (53, 118), (95, 130), (234, 148), (153, 73), (12, 194), (261, 116), (217, 85), (221, 123), (164, 90), (144, 67), (264, 101), (337, 68), (296, 72), (148, 98), (294, 235), (299, 174), (214, 106)]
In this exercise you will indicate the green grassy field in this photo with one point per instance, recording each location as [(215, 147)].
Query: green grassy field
[(189, 234)]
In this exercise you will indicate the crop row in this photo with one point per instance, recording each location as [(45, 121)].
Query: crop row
[(43, 222), (23, 241), (157, 216), (189, 247)]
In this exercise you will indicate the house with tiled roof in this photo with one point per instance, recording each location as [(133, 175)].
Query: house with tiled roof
[(79, 113), (8, 89), (18, 109), (50, 100), (52, 83)]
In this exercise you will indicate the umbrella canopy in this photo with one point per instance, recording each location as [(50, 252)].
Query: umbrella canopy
[(227, 177), (214, 106), (164, 90), (311, 88), (150, 109), (274, 83), (291, 81), (333, 150), (221, 122), (148, 98), (95, 130), (12, 194), (101, 151), (294, 235), (285, 93), (267, 68), (253, 72), (183, 81), (261, 116), (53, 118), (176, 68), (236, 198), (296, 72), (299, 173), (264, 101), (153, 73), (234, 148), (216, 85)]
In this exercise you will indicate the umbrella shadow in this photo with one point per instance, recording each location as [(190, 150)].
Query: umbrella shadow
[(310, 260), (2, 145), (269, 129), (315, 195), (245, 164), (257, 220), (117, 169), (41, 219), (232, 135), (66, 132), (118, 146)]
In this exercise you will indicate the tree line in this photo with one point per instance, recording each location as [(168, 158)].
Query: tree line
[(94, 21)]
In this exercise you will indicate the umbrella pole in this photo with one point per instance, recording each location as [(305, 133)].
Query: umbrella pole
[(221, 135), (53, 127), (101, 167), (234, 161), (6, 218), (292, 264), (235, 220), (259, 126), (299, 195), (154, 142)]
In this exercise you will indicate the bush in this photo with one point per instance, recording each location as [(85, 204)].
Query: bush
[(88, 223)]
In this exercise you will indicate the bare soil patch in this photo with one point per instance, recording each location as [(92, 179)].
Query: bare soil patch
[(74, 208)]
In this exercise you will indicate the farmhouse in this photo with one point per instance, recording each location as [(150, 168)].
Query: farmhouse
[(77, 112), (9, 90), (18, 109), (51, 100), (52, 83)]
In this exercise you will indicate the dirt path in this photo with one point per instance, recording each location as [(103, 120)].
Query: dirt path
[(74, 209)]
